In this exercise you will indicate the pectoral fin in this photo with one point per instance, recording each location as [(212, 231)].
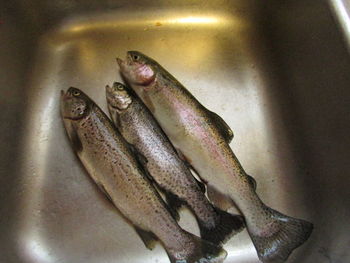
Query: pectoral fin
[(222, 126), (139, 156), (142, 161), (116, 120), (75, 139)]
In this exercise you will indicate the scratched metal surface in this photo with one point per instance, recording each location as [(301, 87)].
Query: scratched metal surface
[(278, 73)]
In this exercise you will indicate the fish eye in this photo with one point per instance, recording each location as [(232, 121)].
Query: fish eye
[(120, 87), (76, 93), (136, 57)]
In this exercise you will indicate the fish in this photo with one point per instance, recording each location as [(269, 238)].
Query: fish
[(203, 138), (138, 126), (114, 167)]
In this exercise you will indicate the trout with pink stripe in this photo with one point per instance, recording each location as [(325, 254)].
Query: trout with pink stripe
[(203, 139)]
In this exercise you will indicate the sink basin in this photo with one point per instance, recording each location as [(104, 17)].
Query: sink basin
[(278, 72)]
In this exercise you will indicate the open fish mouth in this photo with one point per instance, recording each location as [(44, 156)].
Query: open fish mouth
[(63, 94), (120, 61), (128, 60)]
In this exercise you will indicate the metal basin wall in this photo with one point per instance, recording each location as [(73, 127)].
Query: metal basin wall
[(278, 73)]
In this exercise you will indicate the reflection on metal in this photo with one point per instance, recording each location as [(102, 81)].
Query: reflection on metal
[(342, 14), (195, 20), (35, 250), (158, 21)]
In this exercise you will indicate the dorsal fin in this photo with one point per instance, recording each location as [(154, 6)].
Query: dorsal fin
[(222, 126)]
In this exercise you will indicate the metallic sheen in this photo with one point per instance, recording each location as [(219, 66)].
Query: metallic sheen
[(278, 72)]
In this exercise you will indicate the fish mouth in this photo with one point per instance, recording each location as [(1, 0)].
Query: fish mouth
[(128, 60), (67, 94), (110, 95), (109, 90), (113, 90), (129, 57), (120, 62), (64, 95)]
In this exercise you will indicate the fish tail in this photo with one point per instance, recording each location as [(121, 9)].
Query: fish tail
[(287, 234), (227, 226), (201, 252)]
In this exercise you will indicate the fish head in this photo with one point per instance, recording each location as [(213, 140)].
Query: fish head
[(75, 104), (137, 68), (118, 96)]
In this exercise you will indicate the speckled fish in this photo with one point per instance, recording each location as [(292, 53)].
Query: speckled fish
[(137, 125), (203, 138), (112, 164)]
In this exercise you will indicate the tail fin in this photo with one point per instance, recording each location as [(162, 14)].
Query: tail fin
[(289, 233), (200, 251), (227, 226)]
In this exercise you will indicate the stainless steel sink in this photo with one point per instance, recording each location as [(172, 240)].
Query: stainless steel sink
[(277, 71)]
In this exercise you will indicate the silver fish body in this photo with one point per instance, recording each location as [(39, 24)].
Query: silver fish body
[(113, 166), (171, 174), (203, 137)]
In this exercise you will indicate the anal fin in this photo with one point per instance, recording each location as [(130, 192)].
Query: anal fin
[(219, 199), (252, 181), (173, 201), (103, 189), (148, 238)]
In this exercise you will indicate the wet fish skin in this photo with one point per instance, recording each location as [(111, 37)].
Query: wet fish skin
[(113, 166), (170, 173), (194, 131)]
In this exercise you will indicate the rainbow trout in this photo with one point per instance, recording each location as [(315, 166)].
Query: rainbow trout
[(170, 173), (113, 165), (203, 138)]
